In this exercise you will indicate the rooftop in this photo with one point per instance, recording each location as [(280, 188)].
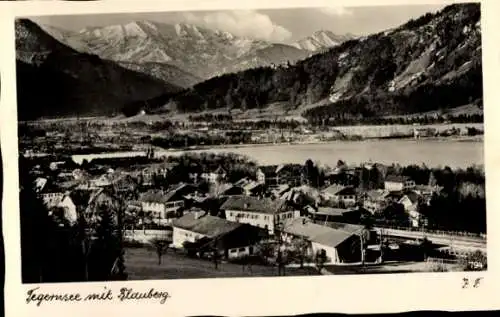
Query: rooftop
[(376, 194), (330, 211), (333, 189), (412, 196), (325, 235), (254, 204), (349, 190), (207, 225), (397, 178)]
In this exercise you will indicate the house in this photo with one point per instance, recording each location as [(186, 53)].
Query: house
[(227, 189), (293, 196), (394, 183), (328, 214), (375, 200), (330, 192), (275, 175), (205, 233), (162, 206), (253, 188), (339, 245), (64, 203), (410, 202), (345, 195), (342, 175), (280, 190), (216, 176), (259, 212), (39, 184), (427, 191), (79, 174), (124, 183), (267, 175), (49, 191)]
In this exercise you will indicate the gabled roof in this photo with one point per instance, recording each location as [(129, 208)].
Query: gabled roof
[(254, 204), (290, 167), (207, 225), (282, 188), (175, 189), (349, 190), (377, 194), (153, 196), (251, 186), (325, 235), (412, 196), (333, 189), (219, 170), (40, 183), (243, 182)]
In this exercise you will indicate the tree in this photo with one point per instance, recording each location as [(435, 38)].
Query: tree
[(312, 173), (161, 247), (48, 251), (266, 251), (320, 259), (106, 252), (301, 249)]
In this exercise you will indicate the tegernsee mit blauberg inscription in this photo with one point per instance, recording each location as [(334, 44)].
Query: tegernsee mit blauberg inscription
[(37, 296)]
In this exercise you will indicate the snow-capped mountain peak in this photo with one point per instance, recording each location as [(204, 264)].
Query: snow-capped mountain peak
[(321, 39), (200, 51)]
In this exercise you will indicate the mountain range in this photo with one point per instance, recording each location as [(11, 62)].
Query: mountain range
[(428, 63), (185, 54)]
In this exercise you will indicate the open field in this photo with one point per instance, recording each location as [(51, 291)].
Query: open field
[(142, 264)]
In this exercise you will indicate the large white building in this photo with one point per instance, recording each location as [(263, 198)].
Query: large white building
[(398, 183), (205, 232), (259, 212)]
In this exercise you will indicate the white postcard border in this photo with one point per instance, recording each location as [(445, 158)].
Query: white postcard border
[(251, 296)]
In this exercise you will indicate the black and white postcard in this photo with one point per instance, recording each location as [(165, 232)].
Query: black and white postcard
[(220, 158)]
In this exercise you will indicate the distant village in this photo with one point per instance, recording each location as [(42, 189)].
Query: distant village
[(236, 211)]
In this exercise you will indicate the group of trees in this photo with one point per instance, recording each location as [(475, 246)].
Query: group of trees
[(186, 140), (54, 250), (236, 166), (460, 206)]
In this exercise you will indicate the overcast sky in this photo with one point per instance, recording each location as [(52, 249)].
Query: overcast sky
[(279, 25)]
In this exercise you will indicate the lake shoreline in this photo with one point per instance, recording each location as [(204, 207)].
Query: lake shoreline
[(455, 153)]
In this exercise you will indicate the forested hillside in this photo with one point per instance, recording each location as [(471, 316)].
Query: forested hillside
[(430, 63)]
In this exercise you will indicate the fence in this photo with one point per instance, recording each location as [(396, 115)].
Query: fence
[(145, 236), (442, 261), (437, 232)]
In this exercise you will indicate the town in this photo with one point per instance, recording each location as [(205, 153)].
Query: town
[(209, 215)]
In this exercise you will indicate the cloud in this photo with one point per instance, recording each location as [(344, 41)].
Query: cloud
[(335, 11), (248, 23)]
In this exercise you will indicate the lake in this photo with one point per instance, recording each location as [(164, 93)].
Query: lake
[(452, 152)]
